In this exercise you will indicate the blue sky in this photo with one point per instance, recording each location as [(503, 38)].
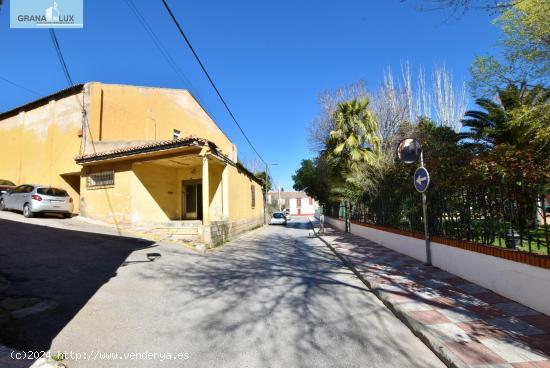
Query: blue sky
[(269, 59)]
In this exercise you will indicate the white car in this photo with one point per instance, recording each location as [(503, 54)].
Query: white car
[(278, 218), (33, 199)]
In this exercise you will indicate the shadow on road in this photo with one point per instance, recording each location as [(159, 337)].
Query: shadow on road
[(63, 267), (288, 299)]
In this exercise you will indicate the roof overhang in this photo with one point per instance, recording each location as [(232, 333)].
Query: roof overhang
[(159, 150)]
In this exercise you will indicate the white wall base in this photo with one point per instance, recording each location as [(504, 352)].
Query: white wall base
[(520, 282)]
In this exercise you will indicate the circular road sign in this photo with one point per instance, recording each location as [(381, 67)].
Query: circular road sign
[(409, 150), (421, 179)]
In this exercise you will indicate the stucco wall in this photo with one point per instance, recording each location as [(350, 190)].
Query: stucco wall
[(111, 204), (154, 193), (39, 145), (240, 205), (523, 283), (119, 112)]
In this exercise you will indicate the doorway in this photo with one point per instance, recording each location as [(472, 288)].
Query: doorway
[(191, 199)]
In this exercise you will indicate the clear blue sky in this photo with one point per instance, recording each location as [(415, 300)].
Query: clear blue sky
[(269, 59)]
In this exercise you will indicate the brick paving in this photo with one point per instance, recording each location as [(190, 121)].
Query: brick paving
[(465, 324)]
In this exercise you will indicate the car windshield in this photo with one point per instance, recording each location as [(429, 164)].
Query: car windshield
[(278, 215), (6, 182), (54, 192)]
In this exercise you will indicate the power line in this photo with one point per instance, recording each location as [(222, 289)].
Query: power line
[(209, 78), (158, 44), (20, 86), (60, 57)]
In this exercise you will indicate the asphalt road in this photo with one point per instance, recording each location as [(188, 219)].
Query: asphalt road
[(272, 298)]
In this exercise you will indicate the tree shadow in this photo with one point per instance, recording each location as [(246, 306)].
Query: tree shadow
[(63, 267), (481, 313), (283, 298)]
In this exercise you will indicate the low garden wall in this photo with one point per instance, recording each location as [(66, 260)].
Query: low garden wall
[(522, 277)]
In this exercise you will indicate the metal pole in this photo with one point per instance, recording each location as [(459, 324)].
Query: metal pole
[(279, 198), (425, 215), (265, 197)]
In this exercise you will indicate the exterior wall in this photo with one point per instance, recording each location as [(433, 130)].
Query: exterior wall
[(241, 215), (523, 283), (143, 193), (109, 204), (130, 113), (155, 190), (38, 146), (305, 207)]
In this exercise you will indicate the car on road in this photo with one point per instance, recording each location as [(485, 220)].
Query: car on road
[(34, 199), (278, 218), (5, 185)]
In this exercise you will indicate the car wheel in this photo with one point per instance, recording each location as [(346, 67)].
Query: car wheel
[(2, 205), (27, 211), (67, 215)]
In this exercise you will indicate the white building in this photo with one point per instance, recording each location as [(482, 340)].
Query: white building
[(297, 202)]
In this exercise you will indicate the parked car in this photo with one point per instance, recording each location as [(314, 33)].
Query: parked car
[(33, 199), (5, 185), (278, 218)]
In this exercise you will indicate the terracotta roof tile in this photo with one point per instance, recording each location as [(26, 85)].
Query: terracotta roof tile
[(147, 147)]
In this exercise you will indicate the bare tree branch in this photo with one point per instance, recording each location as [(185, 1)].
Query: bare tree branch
[(328, 101)]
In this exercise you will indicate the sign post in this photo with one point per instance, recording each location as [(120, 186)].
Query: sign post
[(409, 151), (421, 183)]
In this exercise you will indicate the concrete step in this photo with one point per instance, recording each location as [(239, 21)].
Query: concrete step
[(178, 224), (179, 231)]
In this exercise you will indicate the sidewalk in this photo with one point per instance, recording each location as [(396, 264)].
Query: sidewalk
[(465, 324)]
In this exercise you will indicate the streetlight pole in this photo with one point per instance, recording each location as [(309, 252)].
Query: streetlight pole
[(266, 183)]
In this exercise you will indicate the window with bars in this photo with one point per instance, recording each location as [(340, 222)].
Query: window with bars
[(100, 179), (253, 196)]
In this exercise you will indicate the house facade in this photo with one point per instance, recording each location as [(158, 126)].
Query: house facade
[(298, 203), (133, 155)]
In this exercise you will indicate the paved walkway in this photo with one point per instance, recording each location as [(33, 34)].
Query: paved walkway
[(465, 324)]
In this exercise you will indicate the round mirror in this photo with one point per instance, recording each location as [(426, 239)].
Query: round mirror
[(409, 150)]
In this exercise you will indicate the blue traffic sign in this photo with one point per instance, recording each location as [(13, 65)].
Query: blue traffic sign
[(421, 179)]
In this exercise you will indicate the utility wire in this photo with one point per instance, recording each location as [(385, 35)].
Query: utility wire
[(210, 78), (60, 57), (158, 44), (20, 86)]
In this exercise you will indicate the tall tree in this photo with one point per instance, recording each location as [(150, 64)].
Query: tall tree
[(525, 46), (328, 101), (354, 137), (498, 121), (353, 142)]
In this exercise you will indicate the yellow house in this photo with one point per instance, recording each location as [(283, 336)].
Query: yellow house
[(128, 155)]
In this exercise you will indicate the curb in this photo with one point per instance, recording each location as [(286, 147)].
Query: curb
[(418, 329)]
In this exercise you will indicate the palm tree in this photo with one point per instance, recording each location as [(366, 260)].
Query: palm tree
[(513, 137), (355, 136), (353, 142), (492, 126)]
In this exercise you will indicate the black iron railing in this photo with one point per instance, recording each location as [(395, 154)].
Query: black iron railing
[(502, 216)]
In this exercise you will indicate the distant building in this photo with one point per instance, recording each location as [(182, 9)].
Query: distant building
[(299, 203)]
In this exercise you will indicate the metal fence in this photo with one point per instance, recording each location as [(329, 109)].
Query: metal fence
[(501, 216)]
